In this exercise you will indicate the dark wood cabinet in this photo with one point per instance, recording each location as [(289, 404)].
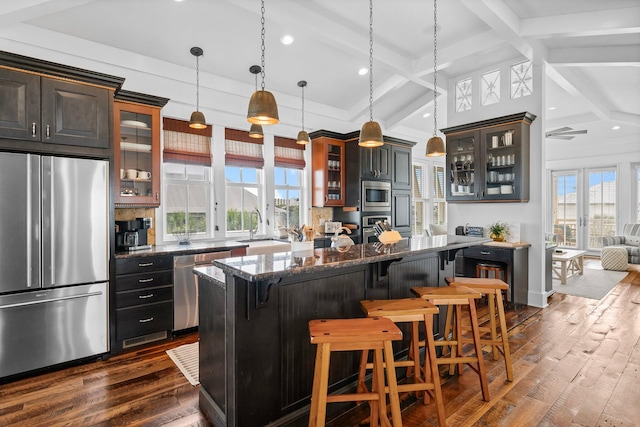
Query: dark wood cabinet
[(401, 169), (143, 302), (375, 162), (19, 105), (401, 212), (137, 152), (328, 172), (53, 111), (488, 161), (55, 108)]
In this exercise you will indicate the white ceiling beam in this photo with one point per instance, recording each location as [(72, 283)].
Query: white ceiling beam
[(379, 90), (413, 108), (599, 23), (597, 101), (596, 56)]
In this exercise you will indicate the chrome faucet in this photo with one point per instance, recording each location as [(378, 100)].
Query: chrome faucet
[(252, 230)]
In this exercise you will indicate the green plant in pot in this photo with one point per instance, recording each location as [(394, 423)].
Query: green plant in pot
[(498, 231)]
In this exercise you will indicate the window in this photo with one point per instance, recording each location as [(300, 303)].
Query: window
[(186, 200), (490, 88), (243, 197), (186, 180), (521, 80), (243, 175), (429, 205), (288, 187), (463, 95)]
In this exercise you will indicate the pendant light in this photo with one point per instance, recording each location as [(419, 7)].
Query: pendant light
[(197, 120), (303, 136), (371, 133), (256, 130), (263, 109), (435, 144)]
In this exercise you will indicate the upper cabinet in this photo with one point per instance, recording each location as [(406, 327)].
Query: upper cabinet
[(137, 150), (401, 176), (488, 161), (54, 106), (328, 172), (375, 163)]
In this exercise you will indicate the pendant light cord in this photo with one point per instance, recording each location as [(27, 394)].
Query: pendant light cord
[(370, 60), (197, 83), (435, 67), (262, 47), (303, 107)]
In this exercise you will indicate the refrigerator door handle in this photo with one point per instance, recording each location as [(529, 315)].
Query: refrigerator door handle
[(48, 223), (34, 260), (47, 300)]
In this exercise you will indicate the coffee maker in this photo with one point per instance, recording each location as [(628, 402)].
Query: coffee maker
[(132, 235)]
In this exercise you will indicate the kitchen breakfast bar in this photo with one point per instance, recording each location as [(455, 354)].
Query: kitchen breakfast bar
[(256, 361)]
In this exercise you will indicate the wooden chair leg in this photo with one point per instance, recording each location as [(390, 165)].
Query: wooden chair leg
[(476, 342), (362, 372), (318, 408), (505, 337), (393, 386), (431, 373), (492, 325), (458, 329)]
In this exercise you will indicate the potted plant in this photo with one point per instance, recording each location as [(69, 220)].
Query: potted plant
[(498, 231)]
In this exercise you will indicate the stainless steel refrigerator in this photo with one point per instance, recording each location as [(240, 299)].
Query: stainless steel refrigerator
[(54, 253)]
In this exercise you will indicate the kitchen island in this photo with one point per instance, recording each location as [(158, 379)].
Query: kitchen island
[(256, 361)]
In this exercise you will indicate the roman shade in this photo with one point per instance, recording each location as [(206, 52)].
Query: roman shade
[(183, 144), (242, 150), (288, 153)]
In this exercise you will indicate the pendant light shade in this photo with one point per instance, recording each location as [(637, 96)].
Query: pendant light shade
[(435, 144), (435, 147), (371, 132), (370, 135), (256, 130), (263, 109), (197, 120), (303, 136)]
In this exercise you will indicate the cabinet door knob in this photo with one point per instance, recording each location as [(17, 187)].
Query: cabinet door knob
[(33, 129), (157, 196), (48, 132)]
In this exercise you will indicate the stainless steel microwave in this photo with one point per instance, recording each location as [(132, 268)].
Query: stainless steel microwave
[(376, 196)]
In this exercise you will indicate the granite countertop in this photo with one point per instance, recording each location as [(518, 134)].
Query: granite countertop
[(282, 264), (192, 248)]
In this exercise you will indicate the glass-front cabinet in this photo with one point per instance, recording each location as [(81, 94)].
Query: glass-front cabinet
[(489, 160), (137, 154), (328, 172)]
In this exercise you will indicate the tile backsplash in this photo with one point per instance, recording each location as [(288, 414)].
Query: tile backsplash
[(127, 214), (319, 216)]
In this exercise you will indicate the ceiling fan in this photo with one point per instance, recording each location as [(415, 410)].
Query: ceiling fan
[(564, 133)]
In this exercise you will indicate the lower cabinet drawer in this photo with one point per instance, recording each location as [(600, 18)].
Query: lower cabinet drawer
[(144, 280), (144, 296), (143, 320), (483, 252)]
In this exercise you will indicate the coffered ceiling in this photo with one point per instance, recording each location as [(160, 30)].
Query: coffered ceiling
[(592, 48)]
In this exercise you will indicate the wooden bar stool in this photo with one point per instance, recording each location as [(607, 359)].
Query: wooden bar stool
[(493, 289), (454, 297), (426, 377), (371, 333), (484, 270)]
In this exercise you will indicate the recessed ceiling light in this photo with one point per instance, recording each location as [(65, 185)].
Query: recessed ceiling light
[(552, 108), (426, 114), (363, 71), (177, 1), (286, 40), (615, 127)]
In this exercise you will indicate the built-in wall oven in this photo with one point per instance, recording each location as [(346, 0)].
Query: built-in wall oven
[(368, 221), (376, 196)]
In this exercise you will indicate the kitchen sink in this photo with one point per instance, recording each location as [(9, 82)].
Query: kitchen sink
[(267, 246)]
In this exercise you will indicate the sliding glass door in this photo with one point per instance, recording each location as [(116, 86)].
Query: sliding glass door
[(584, 207)]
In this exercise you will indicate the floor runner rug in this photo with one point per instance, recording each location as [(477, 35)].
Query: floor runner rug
[(595, 283)]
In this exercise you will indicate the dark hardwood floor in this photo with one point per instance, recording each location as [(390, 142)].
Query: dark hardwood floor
[(576, 363)]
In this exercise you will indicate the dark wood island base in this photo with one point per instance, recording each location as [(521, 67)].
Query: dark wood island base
[(256, 361)]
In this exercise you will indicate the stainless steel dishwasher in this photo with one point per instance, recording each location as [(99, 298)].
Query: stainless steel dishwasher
[(185, 289)]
